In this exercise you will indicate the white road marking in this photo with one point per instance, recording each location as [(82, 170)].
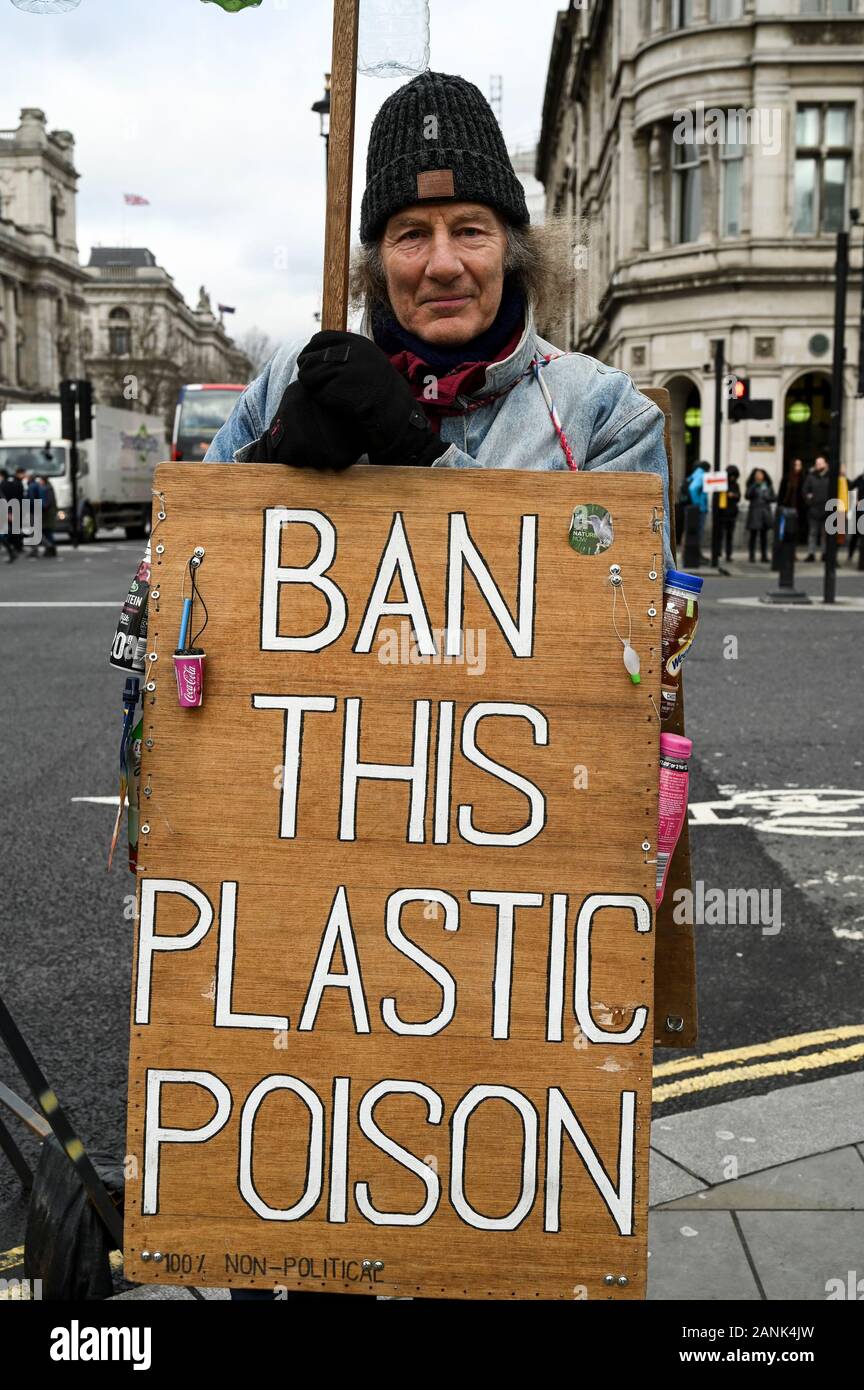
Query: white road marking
[(99, 603), (839, 605), (826, 811)]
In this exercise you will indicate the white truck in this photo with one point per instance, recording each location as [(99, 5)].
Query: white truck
[(115, 467)]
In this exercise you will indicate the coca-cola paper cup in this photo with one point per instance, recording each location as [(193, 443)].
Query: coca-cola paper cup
[(189, 671)]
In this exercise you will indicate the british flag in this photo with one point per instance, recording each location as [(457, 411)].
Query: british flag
[(135, 200)]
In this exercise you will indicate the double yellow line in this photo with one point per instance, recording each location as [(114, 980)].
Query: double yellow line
[(759, 1061)]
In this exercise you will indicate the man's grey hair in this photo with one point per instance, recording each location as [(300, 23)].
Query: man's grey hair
[(542, 259)]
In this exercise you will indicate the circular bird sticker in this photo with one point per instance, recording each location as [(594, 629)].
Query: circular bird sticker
[(591, 529)]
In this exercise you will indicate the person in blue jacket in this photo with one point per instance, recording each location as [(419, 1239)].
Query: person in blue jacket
[(448, 369), (698, 494)]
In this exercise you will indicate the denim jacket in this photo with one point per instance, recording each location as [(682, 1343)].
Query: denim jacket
[(610, 426)]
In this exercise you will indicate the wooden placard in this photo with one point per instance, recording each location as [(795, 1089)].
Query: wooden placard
[(350, 1042)]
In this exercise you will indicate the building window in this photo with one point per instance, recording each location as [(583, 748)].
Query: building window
[(55, 220), (823, 156), (732, 183), (682, 14), (686, 193), (722, 10), (826, 6), (119, 333)]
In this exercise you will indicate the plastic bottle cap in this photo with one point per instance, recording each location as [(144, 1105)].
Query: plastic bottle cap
[(680, 580), (675, 745)]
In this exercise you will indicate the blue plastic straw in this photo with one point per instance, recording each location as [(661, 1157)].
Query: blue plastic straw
[(184, 624)]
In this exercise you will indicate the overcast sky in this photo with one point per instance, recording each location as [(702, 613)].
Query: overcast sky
[(207, 115)]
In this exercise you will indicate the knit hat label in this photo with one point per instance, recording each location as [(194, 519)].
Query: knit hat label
[(436, 183)]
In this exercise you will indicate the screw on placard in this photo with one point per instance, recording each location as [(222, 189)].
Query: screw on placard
[(160, 549), (151, 685), (148, 743), (157, 1256), (145, 829), (646, 845), (148, 790), (652, 612), (366, 1266), (152, 656), (674, 1024), (379, 1265), (145, 1255), (623, 1280), (608, 1278), (155, 593), (652, 574)]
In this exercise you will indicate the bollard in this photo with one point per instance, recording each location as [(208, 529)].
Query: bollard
[(786, 526), (692, 552), (716, 535)]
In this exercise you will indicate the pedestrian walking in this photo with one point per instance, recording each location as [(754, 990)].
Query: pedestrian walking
[(49, 515), (16, 490), (856, 537), (791, 494), (728, 515), (698, 494), (760, 516), (816, 488), (10, 516)]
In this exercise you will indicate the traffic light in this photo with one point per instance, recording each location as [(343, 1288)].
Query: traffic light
[(739, 401), (85, 410), (76, 409), (68, 398)]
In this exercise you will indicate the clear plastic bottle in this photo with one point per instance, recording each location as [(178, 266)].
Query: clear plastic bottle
[(394, 38), (46, 6)]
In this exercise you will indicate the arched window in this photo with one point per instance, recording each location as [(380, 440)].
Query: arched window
[(119, 332), (55, 219)]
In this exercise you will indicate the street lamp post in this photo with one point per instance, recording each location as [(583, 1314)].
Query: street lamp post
[(841, 275), (322, 108)]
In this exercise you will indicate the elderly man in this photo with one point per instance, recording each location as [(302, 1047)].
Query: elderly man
[(448, 370)]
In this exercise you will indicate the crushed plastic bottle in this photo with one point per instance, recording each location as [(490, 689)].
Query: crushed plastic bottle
[(46, 6), (394, 38)]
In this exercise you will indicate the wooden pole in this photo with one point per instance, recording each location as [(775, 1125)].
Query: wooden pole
[(340, 163)]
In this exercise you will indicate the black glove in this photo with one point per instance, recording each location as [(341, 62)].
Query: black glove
[(306, 435), (351, 376)]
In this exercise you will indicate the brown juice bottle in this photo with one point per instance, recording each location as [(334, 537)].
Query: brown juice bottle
[(680, 617)]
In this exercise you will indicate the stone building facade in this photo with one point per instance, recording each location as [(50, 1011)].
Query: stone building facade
[(41, 281), (140, 339), (710, 151), (121, 321)]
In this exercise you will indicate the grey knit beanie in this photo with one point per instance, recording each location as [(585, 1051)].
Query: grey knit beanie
[(437, 137)]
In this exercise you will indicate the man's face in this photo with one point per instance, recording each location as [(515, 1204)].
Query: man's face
[(821, 464), (444, 264)]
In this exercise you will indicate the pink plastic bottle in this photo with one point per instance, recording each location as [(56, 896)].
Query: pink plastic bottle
[(674, 776)]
